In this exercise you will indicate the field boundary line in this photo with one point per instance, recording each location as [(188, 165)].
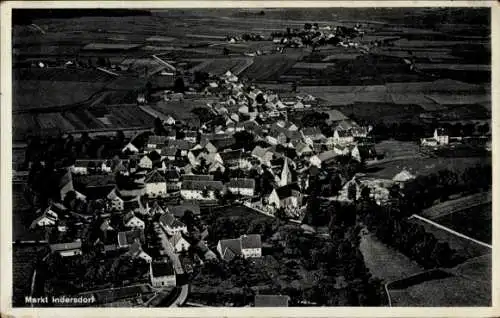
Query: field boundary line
[(450, 230), (106, 71)]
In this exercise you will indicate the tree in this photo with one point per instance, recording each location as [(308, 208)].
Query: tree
[(225, 51), (307, 26), (352, 191), (245, 140), (205, 193), (179, 86), (365, 193)]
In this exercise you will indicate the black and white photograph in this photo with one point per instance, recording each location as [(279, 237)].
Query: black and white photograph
[(251, 157)]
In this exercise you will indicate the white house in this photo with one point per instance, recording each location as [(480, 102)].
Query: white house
[(246, 246), (116, 201), (130, 220), (251, 245), (67, 249), (156, 186), (315, 161), (43, 221), (242, 186), (272, 199), (441, 136), (179, 243), (145, 162), (171, 225), (162, 274), (130, 148), (136, 251), (342, 136), (200, 189)]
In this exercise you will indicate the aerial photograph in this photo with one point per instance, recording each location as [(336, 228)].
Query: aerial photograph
[(251, 157)]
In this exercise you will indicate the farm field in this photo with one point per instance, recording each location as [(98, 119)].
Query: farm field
[(468, 285), (29, 94), (123, 116), (395, 148), (474, 222), (462, 203), (267, 68), (23, 260), (384, 262), (57, 74), (423, 166), (464, 247), (220, 66)]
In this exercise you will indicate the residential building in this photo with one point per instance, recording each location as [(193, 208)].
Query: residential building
[(343, 137), (242, 186), (156, 186), (136, 251), (67, 249), (126, 238), (172, 225), (200, 190), (130, 220), (364, 152), (246, 246), (441, 136), (179, 243), (162, 274)]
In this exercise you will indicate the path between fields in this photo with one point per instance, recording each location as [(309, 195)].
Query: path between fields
[(384, 262)]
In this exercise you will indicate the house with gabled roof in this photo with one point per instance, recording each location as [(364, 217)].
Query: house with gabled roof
[(116, 201), (289, 196), (156, 185), (246, 246), (179, 242), (162, 274), (242, 186), (364, 152), (130, 148), (126, 238), (343, 136), (135, 251), (263, 155), (168, 153), (67, 249), (200, 189), (172, 224), (145, 162), (44, 220), (172, 180), (157, 142), (130, 220)]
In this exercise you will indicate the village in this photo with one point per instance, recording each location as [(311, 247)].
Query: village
[(149, 212), (262, 168)]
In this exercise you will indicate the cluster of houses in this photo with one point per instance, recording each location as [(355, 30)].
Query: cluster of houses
[(441, 139), (157, 180)]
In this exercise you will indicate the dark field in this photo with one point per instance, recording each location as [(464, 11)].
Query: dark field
[(474, 222)]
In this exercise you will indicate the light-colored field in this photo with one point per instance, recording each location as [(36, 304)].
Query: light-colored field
[(317, 66), (395, 148), (220, 66), (424, 166)]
